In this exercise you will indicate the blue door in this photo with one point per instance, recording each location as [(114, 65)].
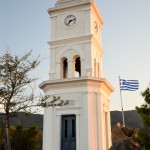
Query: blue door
[(68, 132)]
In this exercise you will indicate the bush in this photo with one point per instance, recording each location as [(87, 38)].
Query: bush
[(23, 138), (142, 137)]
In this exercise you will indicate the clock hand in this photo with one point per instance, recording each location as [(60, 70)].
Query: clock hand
[(71, 20)]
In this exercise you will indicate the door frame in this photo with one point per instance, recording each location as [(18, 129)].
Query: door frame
[(67, 111), (63, 133)]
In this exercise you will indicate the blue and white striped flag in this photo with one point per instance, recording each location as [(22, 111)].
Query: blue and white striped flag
[(129, 85)]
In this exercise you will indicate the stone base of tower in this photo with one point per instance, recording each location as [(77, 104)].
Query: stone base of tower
[(88, 104)]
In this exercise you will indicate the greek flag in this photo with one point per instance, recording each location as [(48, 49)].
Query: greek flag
[(129, 85)]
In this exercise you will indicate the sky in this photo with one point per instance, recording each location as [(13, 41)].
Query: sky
[(25, 26)]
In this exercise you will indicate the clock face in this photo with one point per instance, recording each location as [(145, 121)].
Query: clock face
[(70, 21)]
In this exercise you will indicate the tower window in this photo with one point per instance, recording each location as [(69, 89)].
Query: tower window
[(77, 67), (65, 68)]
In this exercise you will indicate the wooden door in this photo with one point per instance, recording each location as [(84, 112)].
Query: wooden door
[(68, 132)]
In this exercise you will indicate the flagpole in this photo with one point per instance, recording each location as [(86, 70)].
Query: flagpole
[(121, 105)]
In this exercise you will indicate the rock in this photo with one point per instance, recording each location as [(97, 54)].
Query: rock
[(124, 145), (117, 134), (118, 124), (127, 131)]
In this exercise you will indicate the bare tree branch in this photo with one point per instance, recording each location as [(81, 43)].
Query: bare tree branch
[(15, 77)]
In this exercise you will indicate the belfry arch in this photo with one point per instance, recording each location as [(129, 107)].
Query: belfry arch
[(69, 63), (64, 67), (77, 66)]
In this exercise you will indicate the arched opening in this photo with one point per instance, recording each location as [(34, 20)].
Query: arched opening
[(98, 70), (94, 67), (65, 68), (77, 67)]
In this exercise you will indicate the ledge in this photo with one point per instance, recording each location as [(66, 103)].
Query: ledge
[(68, 4), (101, 82), (86, 38)]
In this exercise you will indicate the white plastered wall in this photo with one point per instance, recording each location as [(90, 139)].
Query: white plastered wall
[(88, 103)]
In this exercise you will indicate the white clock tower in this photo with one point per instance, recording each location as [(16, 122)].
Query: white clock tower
[(76, 75)]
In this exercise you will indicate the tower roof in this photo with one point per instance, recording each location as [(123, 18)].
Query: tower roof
[(60, 3)]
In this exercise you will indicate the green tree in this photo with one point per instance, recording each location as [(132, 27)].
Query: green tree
[(144, 109), (142, 137), (15, 79), (2, 138), (25, 139)]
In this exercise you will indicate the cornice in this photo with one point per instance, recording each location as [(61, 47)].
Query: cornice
[(95, 10), (67, 109), (80, 39), (69, 6), (75, 82)]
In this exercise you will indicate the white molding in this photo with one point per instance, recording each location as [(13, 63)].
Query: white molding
[(76, 82), (68, 110), (74, 40), (77, 4)]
